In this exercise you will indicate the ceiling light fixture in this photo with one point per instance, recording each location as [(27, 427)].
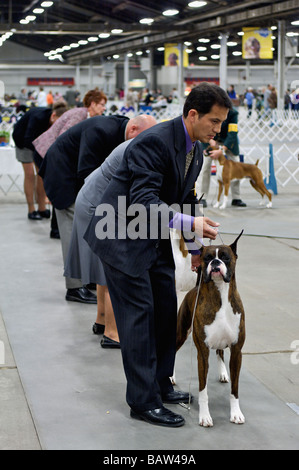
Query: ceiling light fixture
[(196, 4), (46, 4), (170, 12), (104, 35), (146, 21), (117, 31)]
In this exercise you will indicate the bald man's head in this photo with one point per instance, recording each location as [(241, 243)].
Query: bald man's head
[(138, 124)]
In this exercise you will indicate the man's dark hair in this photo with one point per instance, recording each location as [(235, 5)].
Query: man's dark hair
[(204, 96)]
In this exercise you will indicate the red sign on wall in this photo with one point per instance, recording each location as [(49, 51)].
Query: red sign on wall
[(42, 81)]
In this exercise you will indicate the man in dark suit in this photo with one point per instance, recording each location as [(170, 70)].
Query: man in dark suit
[(72, 157), (155, 176)]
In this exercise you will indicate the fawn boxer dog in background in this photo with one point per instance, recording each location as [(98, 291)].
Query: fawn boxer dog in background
[(215, 313), (230, 170)]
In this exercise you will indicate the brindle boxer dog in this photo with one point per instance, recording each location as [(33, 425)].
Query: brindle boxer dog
[(218, 323)]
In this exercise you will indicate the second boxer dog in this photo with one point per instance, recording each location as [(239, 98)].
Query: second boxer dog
[(230, 170), (215, 313)]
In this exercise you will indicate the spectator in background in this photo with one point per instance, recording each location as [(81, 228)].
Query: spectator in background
[(287, 100), (267, 94), (273, 105), (70, 97), (42, 98), (249, 96), (231, 92), (22, 101), (50, 99)]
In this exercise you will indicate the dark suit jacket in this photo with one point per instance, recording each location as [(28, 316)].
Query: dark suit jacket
[(76, 153), (30, 126), (151, 174)]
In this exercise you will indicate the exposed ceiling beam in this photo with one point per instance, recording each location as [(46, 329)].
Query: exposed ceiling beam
[(83, 28)]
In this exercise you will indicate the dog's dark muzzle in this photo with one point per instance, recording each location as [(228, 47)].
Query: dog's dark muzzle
[(215, 266)]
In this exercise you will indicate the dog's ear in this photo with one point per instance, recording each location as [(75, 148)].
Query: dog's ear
[(233, 246)]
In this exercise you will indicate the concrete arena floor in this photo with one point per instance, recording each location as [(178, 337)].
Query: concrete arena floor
[(60, 390)]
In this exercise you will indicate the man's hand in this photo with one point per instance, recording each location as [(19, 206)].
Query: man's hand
[(215, 154), (203, 227), (195, 262)]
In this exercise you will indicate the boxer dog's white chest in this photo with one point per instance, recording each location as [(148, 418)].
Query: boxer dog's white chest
[(224, 331)]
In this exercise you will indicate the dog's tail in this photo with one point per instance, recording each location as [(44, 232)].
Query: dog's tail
[(257, 162)]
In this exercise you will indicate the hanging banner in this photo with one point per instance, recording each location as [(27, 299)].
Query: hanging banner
[(257, 43), (172, 55)]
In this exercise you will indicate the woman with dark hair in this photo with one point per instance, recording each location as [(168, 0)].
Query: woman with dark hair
[(35, 122)]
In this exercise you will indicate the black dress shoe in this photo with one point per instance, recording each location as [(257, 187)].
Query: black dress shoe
[(159, 417), (54, 234), (81, 294), (109, 343), (176, 396), (238, 203), (204, 202), (34, 216), (46, 214), (91, 286), (98, 329)]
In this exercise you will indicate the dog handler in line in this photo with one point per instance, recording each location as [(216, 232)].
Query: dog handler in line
[(155, 172), (228, 137)]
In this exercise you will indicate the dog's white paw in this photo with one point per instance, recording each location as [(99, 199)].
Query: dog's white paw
[(223, 206), (269, 205), (205, 419), (236, 415), (216, 205), (223, 377)]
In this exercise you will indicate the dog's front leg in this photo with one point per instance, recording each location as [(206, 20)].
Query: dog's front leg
[(203, 401), (236, 415)]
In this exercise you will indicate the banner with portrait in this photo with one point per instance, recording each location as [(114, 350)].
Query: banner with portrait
[(172, 55), (257, 43)]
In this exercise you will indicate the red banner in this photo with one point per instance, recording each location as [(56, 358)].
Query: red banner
[(42, 81)]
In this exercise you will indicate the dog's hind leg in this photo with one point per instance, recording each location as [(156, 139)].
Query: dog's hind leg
[(223, 375), (220, 188)]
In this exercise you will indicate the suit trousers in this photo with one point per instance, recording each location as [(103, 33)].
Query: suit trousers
[(145, 309), (206, 177), (65, 219)]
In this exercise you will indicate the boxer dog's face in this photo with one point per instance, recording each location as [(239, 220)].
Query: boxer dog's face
[(218, 262)]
